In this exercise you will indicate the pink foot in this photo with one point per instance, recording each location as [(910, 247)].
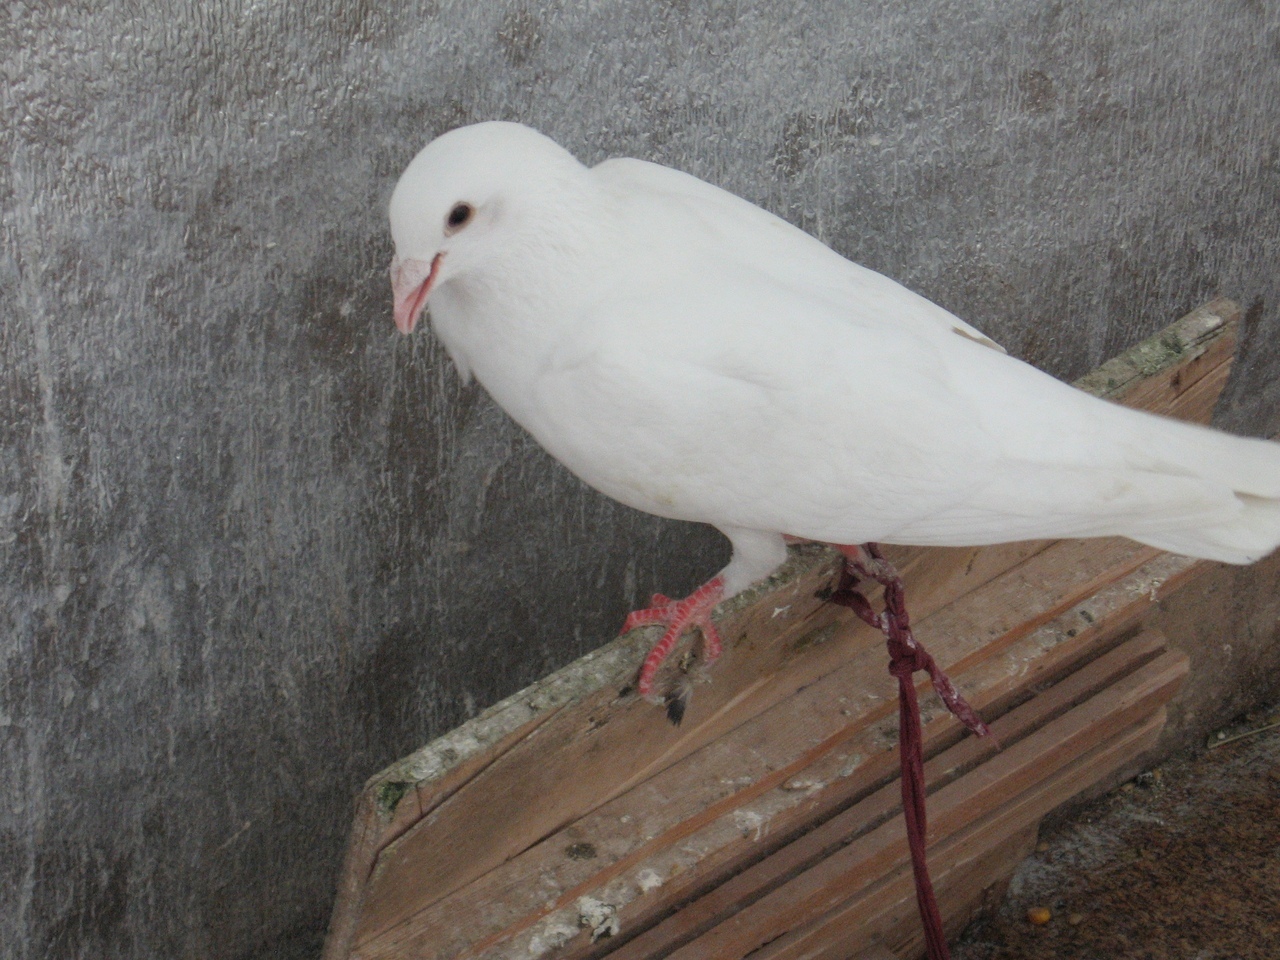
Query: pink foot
[(677, 616)]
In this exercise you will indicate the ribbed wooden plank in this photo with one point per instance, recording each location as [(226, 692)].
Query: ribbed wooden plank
[(954, 807), (887, 909), (766, 753), (538, 785), (769, 874)]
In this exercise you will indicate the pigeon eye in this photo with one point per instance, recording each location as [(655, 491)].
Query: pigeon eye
[(458, 217)]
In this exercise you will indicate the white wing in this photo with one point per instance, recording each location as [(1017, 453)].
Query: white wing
[(742, 404), (767, 244)]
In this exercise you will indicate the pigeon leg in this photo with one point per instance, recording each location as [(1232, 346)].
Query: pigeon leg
[(677, 616)]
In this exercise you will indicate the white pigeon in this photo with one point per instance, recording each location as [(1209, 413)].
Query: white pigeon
[(696, 357)]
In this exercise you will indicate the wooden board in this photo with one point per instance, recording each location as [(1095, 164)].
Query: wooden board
[(830, 936), (489, 841), (1036, 763), (1095, 693)]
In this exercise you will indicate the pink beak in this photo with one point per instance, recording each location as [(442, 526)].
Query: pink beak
[(411, 283)]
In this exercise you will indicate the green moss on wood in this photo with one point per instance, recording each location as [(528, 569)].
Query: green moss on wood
[(390, 793)]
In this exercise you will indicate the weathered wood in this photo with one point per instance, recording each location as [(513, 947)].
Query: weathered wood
[(830, 937), (537, 785), (963, 889), (1037, 657), (862, 862), (866, 760), (1156, 373), (592, 749), (770, 749), (770, 873), (560, 759)]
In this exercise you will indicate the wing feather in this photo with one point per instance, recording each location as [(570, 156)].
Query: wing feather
[(765, 243), (763, 408)]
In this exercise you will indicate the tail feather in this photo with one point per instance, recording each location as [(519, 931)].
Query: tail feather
[(1245, 471), (1252, 535), (1243, 464)]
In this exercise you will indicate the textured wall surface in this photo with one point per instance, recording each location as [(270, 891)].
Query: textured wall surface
[(254, 546)]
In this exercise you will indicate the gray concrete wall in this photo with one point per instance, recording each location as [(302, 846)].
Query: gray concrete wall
[(254, 545)]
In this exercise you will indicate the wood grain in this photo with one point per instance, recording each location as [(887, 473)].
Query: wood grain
[(890, 902), (952, 808), (774, 748), (770, 873)]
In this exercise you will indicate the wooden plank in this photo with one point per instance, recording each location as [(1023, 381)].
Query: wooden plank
[(1079, 629), (954, 807), (397, 799), (1155, 373), (537, 785), (889, 905), (769, 874), (763, 753), (976, 884), (591, 750), (1196, 402), (575, 739), (528, 779), (1031, 663), (722, 847), (509, 891)]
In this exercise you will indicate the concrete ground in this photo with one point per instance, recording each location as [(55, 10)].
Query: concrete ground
[(1180, 863)]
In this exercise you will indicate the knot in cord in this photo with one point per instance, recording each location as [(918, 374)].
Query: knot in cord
[(906, 656), (904, 660)]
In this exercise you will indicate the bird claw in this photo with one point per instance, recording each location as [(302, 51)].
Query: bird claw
[(677, 616), (658, 611)]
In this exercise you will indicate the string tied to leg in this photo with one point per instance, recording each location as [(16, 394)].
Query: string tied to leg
[(906, 657)]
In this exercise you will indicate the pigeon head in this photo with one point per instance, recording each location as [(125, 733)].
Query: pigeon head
[(468, 197)]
